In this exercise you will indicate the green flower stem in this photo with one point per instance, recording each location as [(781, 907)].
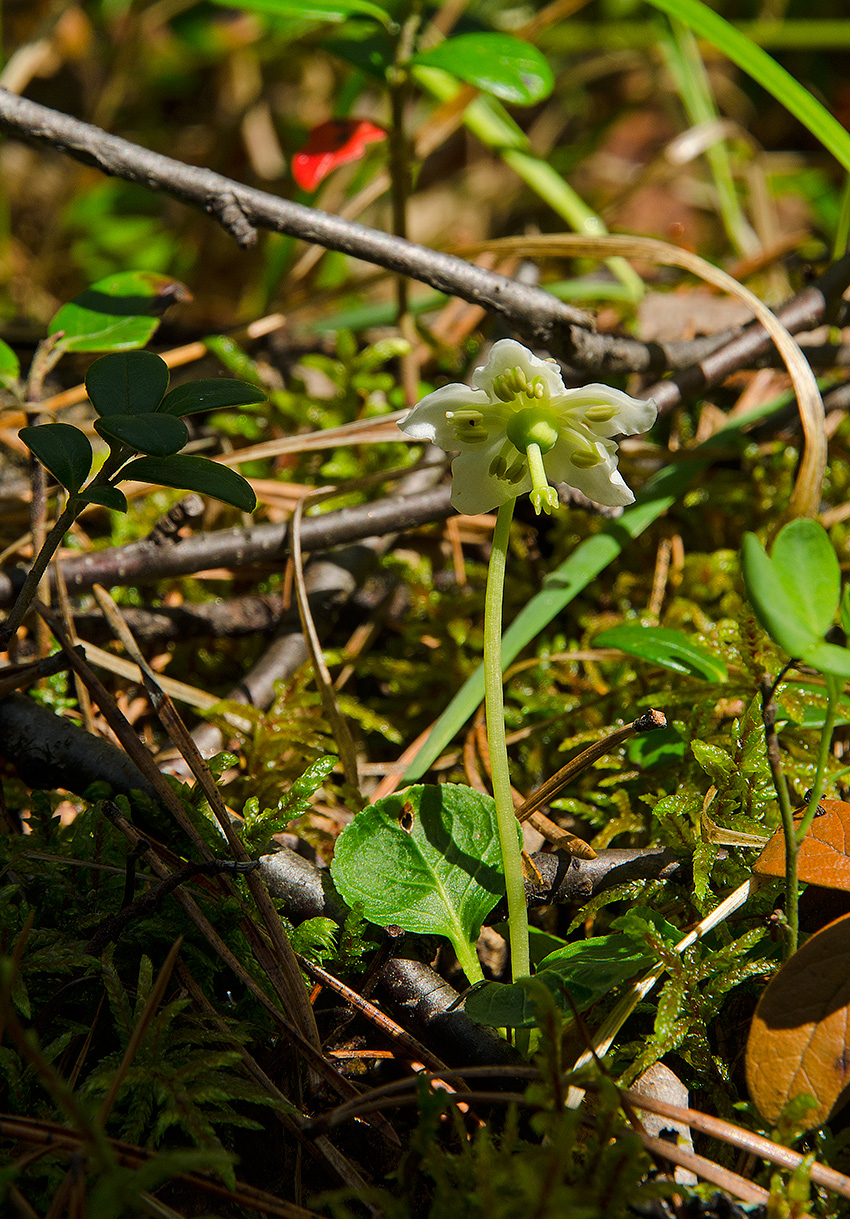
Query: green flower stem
[(495, 708), (774, 760), (834, 687)]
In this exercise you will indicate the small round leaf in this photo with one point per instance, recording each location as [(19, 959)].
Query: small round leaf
[(209, 395), (157, 435), (61, 449), (117, 313), (194, 474), (127, 383), (499, 64), (105, 497)]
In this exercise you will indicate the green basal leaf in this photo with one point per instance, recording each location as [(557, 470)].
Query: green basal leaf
[(496, 63), (582, 972), (663, 646), (768, 596), (312, 10), (426, 859), (127, 383), (194, 474), (61, 449), (10, 365), (502, 1005), (117, 313), (155, 434), (807, 566), (209, 395), (106, 497)]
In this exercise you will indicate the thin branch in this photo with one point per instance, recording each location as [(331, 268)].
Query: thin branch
[(242, 210), (143, 562)]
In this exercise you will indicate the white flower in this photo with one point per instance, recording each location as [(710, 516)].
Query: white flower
[(520, 428)]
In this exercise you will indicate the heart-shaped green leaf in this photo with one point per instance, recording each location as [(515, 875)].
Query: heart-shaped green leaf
[(63, 450), (194, 474), (155, 434), (127, 383), (496, 63), (105, 497), (209, 395), (117, 313), (426, 859), (663, 646)]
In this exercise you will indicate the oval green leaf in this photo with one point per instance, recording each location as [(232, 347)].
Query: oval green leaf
[(807, 566), (194, 474), (127, 383), (499, 64), (775, 610), (426, 859), (156, 435), (63, 450), (105, 497), (117, 313), (10, 365), (663, 646), (210, 395)]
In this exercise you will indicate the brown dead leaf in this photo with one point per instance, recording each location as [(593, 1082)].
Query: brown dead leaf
[(799, 1037), (824, 857)]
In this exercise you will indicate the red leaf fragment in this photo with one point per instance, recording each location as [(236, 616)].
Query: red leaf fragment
[(331, 144), (824, 857)]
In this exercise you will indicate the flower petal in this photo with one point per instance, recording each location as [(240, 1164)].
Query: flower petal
[(475, 489), (634, 415), (507, 354), (602, 483), (427, 420)]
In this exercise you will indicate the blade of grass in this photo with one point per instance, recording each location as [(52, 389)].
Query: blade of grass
[(487, 120), (763, 69), (688, 71)]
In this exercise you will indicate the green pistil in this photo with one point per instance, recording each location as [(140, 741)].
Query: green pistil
[(543, 497), (533, 425)]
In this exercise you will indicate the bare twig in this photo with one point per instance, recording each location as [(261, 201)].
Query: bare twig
[(242, 210)]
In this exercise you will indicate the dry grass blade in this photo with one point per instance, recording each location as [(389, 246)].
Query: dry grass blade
[(282, 968), (29, 1130), (805, 498), (339, 725), (746, 1140)]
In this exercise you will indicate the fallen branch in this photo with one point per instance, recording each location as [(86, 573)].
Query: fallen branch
[(241, 210)]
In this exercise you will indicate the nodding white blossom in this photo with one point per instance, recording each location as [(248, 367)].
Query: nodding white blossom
[(520, 428)]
